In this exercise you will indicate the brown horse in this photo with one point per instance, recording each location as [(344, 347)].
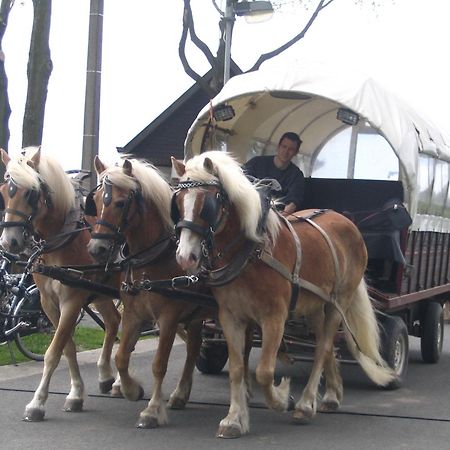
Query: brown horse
[(219, 213), (133, 201), (42, 203)]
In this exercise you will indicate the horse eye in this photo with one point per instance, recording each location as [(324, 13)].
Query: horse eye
[(120, 204)]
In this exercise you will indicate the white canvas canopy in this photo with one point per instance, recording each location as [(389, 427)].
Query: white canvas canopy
[(305, 99)]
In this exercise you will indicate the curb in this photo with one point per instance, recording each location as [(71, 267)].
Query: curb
[(25, 369)]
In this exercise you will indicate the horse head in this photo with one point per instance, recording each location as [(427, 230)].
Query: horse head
[(214, 201), (127, 196), (27, 198)]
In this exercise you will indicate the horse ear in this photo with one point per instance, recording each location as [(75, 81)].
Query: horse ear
[(35, 159), (208, 165), (179, 167), (5, 157), (99, 166), (127, 167)]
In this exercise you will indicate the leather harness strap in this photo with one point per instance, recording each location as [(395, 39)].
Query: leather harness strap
[(293, 276)]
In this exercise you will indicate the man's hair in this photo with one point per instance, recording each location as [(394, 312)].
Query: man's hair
[(292, 137)]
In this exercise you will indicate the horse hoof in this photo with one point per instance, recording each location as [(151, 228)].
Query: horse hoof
[(73, 405), (134, 398), (116, 392), (147, 422), (176, 403), (229, 432), (106, 386), (302, 417), (329, 405), (33, 415)]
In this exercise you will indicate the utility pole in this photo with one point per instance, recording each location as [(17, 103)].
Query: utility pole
[(93, 85)]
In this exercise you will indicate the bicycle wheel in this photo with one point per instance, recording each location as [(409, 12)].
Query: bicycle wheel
[(37, 332)]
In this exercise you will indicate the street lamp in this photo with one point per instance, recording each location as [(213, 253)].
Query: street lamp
[(256, 10)]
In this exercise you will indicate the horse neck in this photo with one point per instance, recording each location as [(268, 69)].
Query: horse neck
[(229, 233), (72, 254), (50, 225), (147, 231)]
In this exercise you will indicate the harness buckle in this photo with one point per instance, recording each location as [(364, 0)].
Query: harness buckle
[(184, 281), (204, 248), (130, 288)]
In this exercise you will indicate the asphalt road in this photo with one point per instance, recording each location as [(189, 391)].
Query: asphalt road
[(417, 416)]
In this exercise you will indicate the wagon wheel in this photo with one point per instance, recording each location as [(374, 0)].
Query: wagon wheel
[(395, 347), (212, 358), (432, 333), (36, 336)]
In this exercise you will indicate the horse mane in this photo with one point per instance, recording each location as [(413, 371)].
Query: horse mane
[(148, 179), (49, 171), (241, 193)]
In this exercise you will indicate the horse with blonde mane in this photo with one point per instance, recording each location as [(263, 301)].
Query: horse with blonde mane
[(133, 201), (312, 264), (41, 202)]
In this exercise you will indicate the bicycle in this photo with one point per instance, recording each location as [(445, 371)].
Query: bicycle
[(22, 319)]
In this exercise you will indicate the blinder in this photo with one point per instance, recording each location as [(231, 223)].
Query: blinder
[(90, 208), (32, 195), (210, 213), (211, 208)]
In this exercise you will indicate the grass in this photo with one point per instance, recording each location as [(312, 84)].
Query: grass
[(86, 338)]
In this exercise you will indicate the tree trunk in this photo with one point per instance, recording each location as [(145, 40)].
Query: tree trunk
[(39, 71), (5, 109)]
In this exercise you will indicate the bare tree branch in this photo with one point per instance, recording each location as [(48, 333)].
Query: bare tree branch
[(322, 4), (182, 54), (217, 62), (195, 39)]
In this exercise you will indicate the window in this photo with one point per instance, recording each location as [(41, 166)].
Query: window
[(375, 158), (372, 159), (332, 161)]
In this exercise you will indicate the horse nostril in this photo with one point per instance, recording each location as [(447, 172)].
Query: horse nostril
[(193, 257)]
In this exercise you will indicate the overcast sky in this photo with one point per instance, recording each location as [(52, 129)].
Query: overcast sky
[(404, 45)]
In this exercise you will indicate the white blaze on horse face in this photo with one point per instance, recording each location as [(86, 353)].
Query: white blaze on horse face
[(188, 251), (12, 239)]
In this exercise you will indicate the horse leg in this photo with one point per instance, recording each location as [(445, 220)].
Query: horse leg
[(249, 332), (334, 390), (156, 414), (277, 397), (333, 380), (64, 323), (237, 422), (74, 401), (131, 324), (111, 318), (180, 395), (306, 407)]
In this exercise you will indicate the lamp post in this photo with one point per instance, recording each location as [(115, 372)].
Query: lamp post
[(254, 9)]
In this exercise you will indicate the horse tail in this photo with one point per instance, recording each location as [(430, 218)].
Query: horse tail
[(363, 337)]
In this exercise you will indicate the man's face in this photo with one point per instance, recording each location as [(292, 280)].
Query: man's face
[(287, 149)]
